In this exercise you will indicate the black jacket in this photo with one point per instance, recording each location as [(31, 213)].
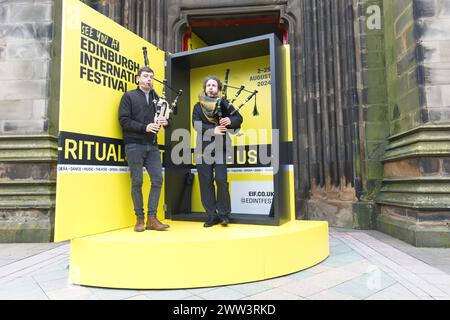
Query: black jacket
[(134, 116), (199, 117)]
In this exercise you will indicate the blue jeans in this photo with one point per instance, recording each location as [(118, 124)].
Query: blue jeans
[(148, 156)]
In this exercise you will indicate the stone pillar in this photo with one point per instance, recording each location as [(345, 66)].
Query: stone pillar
[(330, 115), (372, 91), (28, 127), (415, 195)]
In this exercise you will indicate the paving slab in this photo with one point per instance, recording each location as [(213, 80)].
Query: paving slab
[(362, 265)]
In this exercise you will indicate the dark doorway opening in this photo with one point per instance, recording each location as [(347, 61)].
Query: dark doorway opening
[(223, 28)]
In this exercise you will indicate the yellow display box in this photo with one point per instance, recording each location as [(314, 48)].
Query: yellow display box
[(261, 172)]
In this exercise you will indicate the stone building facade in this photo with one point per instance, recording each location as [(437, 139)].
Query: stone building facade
[(371, 99), (28, 126)]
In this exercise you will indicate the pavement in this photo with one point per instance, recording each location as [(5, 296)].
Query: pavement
[(363, 265)]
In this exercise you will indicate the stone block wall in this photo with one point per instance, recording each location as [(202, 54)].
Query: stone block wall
[(25, 50), (414, 196), (432, 27), (402, 68), (373, 120), (379, 143), (374, 93), (27, 124)]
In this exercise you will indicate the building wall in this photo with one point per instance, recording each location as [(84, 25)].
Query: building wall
[(371, 107), (365, 89), (402, 67), (27, 127), (331, 113), (414, 196), (326, 108), (372, 90)]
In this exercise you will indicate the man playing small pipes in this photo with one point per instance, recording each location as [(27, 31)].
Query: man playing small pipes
[(140, 128), (211, 119)]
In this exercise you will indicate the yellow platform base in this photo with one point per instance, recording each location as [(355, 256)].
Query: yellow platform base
[(189, 256)]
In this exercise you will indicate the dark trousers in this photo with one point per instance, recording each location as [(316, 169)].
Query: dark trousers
[(138, 157), (207, 173)]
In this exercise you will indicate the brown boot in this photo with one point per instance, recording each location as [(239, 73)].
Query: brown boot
[(165, 225), (154, 224), (140, 226)]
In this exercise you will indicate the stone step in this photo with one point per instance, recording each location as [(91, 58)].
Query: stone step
[(31, 194), (24, 188), (28, 148), (27, 202)]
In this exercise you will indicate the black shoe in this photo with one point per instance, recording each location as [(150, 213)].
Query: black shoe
[(224, 221), (212, 220)]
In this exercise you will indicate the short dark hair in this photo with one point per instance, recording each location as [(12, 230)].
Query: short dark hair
[(219, 83), (145, 69)]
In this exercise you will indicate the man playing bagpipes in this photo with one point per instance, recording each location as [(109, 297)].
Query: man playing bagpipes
[(213, 117)]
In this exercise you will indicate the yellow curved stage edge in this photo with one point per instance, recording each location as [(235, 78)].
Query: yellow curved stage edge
[(190, 256)]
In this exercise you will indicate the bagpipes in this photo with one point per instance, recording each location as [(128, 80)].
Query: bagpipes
[(212, 107), (163, 108), (238, 92)]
